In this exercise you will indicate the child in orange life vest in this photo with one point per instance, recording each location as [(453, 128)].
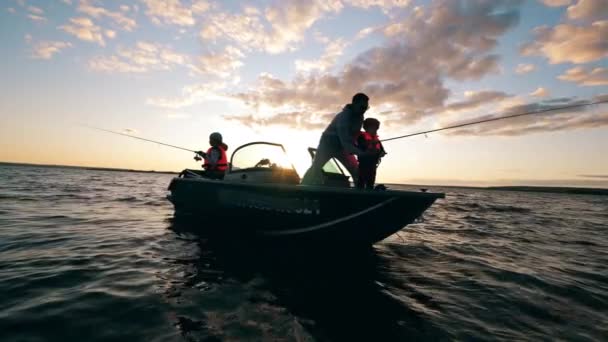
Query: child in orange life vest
[(368, 141), (216, 161)]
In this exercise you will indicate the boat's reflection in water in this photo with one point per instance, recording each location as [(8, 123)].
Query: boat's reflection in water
[(338, 295)]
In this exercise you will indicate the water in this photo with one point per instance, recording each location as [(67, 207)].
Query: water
[(96, 256)]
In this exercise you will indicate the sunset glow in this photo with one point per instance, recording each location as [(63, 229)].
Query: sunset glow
[(177, 70)]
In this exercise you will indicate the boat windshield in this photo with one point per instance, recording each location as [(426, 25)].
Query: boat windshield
[(260, 155), (332, 166)]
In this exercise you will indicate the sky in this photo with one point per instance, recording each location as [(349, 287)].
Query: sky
[(177, 70)]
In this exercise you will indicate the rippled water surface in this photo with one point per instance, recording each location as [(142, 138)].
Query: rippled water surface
[(96, 256)]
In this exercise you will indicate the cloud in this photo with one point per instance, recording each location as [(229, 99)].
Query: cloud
[(119, 18), (280, 26), (145, 56), (444, 41), (245, 30), (110, 34), (173, 12), (570, 43), (36, 17), (290, 19), (35, 13), (333, 51), (525, 68), (178, 115), (46, 49), (593, 176), (11, 10), (296, 120), (585, 77), (384, 4), (84, 29), (148, 56), (191, 95), (221, 64), (477, 99), (67, 2), (588, 10), (540, 92), (365, 32), (558, 120), (556, 3), (35, 10), (277, 29)]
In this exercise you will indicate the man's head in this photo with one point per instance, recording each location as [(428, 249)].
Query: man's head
[(371, 125), (360, 103)]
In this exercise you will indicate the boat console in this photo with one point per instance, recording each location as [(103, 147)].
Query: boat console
[(265, 162)]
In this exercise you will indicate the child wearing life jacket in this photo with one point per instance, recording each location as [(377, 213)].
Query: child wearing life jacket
[(368, 141), (216, 161)]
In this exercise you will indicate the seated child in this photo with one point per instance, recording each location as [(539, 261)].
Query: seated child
[(216, 161), (368, 141)]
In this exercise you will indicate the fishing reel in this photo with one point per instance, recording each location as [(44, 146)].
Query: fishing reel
[(199, 155)]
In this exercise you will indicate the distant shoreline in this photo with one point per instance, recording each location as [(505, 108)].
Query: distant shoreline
[(545, 189), (553, 189), (93, 168), (525, 188)]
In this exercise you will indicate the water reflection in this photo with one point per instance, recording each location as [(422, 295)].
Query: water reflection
[(334, 295)]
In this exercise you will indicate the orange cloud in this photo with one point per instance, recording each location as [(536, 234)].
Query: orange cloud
[(556, 3), (588, 10), (407, 74), (120, 19), (84, 29), (191, 94), (221, 64), (333, 51), (525, 68), (586, 77), (173, 12), (281, 26), (570, 43), (145, 56), (46, 49), (540, 92)]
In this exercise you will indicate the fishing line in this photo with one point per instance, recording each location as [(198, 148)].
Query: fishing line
[(144, 139), (500, 118)]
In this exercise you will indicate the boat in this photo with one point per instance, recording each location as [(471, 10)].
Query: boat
[(261, 195)]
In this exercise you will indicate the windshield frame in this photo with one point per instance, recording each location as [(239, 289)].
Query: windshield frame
[(230, 170)]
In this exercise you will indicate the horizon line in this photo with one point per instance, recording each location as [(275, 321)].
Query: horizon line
[(118, 169)]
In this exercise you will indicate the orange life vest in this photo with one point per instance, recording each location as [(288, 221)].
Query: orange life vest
[(222, 163), (368, 142)]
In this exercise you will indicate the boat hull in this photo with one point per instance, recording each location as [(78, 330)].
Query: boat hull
[(298, 213)]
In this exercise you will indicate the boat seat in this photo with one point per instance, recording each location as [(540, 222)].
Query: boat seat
[(258, 175)]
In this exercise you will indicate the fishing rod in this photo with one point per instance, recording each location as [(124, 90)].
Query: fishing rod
[(500, 118), (131, 136)]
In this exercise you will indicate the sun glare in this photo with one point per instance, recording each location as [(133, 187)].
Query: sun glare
[(299, 156)]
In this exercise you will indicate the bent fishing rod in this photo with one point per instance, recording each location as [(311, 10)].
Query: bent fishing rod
[(500, 118), (148, 140), (399, 137)]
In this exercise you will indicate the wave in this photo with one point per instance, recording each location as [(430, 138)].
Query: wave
[(127, 199), (501, 208)]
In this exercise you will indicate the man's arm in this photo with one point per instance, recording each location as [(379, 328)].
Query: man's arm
[(361, 142), (344, 133)]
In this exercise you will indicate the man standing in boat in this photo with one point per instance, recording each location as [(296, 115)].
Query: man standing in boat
[(338, 141)]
